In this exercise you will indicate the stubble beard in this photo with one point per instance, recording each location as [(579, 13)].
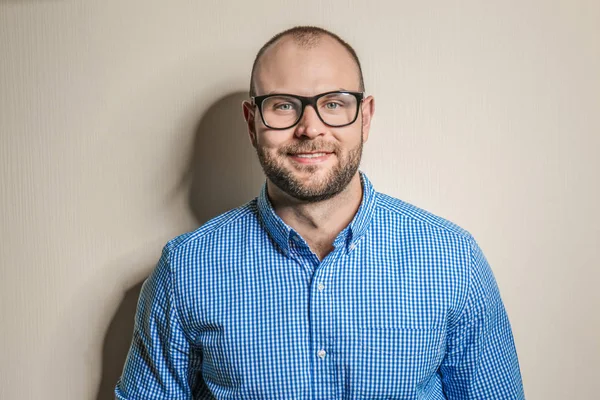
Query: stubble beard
[(336, 180)]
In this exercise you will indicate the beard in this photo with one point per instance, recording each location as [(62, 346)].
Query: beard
[(335, 181)]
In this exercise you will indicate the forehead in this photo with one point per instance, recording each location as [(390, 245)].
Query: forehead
[(289, 67)]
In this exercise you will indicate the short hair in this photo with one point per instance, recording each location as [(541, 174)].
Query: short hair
[(306, 37)]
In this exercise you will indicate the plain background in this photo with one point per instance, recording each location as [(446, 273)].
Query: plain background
[(121, 128)]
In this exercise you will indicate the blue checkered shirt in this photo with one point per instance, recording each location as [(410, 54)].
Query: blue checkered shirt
[(404, 307)]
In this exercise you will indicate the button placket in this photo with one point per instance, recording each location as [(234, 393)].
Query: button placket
[(323, 317)]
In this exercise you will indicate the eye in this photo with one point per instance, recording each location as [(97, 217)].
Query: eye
[(332, 106), (284, 107)]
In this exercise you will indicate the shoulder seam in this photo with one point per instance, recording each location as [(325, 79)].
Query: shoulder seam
[(458, 231), (202, 231), (469, 281)]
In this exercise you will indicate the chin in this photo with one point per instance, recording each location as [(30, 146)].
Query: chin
[(314, 176)]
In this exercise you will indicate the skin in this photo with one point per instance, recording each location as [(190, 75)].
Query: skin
[(287, 68)]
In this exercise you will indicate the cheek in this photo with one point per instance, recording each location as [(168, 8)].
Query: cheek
[(349, 139), (273, 139)]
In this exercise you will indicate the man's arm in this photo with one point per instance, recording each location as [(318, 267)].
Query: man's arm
[(481, 360), (158, 362)]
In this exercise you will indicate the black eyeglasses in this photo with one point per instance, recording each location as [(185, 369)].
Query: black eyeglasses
[(282, 111)]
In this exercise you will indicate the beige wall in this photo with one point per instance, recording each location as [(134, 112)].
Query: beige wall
[(488, 114)]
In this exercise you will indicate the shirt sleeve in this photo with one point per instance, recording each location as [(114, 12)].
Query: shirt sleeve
[(157, 366), (481, 360)]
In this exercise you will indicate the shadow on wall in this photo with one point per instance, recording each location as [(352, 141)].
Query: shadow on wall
[(223, 173), (116, 343)]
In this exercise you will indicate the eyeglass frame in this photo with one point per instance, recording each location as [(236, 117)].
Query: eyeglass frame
[(307, 101)]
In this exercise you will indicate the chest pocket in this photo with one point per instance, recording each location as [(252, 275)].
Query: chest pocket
[(397, 362)]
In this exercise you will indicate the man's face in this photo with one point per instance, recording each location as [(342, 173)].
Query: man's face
[(310, 161)]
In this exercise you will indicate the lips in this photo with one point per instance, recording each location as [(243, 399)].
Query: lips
[(311, 158), (310, 155)]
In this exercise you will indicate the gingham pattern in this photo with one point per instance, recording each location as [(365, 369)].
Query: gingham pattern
[(405, 307)]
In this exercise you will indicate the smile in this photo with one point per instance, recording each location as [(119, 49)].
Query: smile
[(310, 158), (310, 155)]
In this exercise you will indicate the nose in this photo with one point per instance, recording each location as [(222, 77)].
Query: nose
[(310, 125)]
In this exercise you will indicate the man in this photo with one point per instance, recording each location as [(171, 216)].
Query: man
[(320, 288)]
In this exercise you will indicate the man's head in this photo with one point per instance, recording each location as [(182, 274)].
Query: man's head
[(311, 160)]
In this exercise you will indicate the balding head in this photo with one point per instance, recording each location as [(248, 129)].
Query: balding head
[(303, 38)]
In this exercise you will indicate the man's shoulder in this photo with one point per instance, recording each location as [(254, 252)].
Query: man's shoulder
[(394, 209), (231, 220)]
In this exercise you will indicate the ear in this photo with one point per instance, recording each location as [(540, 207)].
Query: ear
[(367, 110), (249, 115)]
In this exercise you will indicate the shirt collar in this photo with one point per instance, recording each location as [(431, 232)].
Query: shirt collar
[(282, 233)]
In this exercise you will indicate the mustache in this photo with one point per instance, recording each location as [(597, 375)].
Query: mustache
[(309, 147)]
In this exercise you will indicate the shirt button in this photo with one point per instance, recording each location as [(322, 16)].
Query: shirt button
[(320, 287), (321, 353)]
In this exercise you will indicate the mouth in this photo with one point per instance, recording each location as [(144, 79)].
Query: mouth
[(310, 157)]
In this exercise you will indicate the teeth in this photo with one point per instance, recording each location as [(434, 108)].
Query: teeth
[(314, 155)]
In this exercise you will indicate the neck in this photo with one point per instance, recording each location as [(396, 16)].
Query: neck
[(318, 223)]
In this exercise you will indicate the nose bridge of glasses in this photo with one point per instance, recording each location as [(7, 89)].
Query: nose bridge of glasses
[(309, 114)]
